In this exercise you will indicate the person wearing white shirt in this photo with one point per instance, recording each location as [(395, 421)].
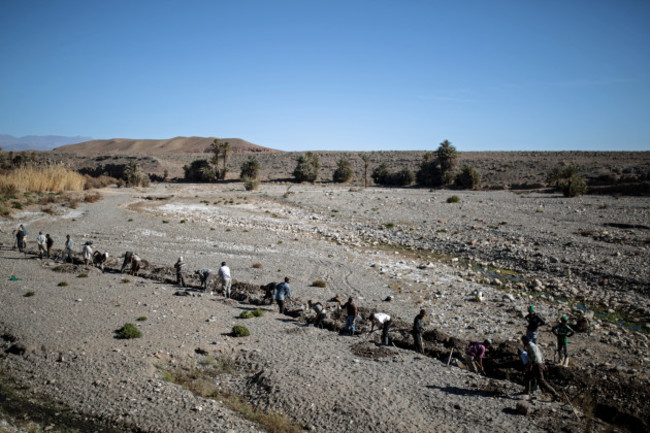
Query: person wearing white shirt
[(226, 281), (382, 319)]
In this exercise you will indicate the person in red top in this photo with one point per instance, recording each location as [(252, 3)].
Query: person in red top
[(475, 354)]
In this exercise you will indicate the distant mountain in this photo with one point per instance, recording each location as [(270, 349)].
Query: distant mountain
[(37, 142), (171, 145)]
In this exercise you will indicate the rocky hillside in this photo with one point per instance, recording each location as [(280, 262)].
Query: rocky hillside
[(174, 145)]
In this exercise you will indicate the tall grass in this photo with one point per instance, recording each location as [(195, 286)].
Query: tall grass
[(46, 179)]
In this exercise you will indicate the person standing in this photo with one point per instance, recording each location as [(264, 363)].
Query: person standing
[(351, 316), (563, 331), (87, 252), (20, 239), (418, 328), (535, 368), (226, 281), (382, 319), (282, 291), (67, 252), (180, 267), (475, 354), (49, 242), (40, 241), (534, 322)]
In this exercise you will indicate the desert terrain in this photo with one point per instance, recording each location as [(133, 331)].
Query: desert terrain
[(584, 257)]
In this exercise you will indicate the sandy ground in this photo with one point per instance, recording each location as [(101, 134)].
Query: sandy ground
[(363, 243)]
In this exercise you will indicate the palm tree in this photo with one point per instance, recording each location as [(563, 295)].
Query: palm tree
[(447, 156), (366, 162)]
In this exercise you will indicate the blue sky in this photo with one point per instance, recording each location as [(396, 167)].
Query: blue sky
[(332, 75)]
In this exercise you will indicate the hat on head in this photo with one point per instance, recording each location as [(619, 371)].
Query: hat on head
[(180, 259), (531, 309), (564, 319), (488, 341)]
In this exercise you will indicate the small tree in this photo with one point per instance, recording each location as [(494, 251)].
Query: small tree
[(568, 181), (250, 168), (307, 168), (343, 172), (380, 174), (468, 178), (430, 173)]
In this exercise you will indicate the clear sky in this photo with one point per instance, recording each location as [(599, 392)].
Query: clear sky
[(330, 74)]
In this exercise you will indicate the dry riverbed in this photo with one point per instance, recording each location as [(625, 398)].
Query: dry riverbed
[(584, 257)]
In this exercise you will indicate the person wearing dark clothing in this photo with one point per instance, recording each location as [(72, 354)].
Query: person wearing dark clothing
[(49, 242), (20, 240), (418, 328), (563, 331), (282, 291), (534, 322), (351, 317), (180, 267), (205, 277), (128, 256), (268, 290)]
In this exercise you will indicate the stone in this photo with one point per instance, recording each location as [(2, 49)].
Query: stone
[(523, 407)]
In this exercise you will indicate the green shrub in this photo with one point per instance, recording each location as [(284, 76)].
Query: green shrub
[(141, 319), (200, 170), (58, 268), (318, 283), (453, 199), (240, 331), (165, 221), (245, 315), (29, 294), (250, 169), (62, 284), (257, 313), (250, 184), (82, 276), (382, 176), (389, 225), (128, 331), (183, 221), (468, 178), (307, 168), (573, 187), (343, 172)]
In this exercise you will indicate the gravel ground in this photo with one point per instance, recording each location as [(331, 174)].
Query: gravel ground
[(516, 249)]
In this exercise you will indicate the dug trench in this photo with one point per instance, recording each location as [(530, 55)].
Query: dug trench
[(610, 395)]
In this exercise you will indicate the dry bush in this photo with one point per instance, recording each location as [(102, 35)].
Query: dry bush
[(98, 182), (92, 197), (48, 179), (257, 265), (73, 202)]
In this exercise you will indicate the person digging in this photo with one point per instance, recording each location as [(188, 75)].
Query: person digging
[(475, 354)]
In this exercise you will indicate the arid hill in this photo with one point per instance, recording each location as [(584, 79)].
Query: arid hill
[(172, 145)]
